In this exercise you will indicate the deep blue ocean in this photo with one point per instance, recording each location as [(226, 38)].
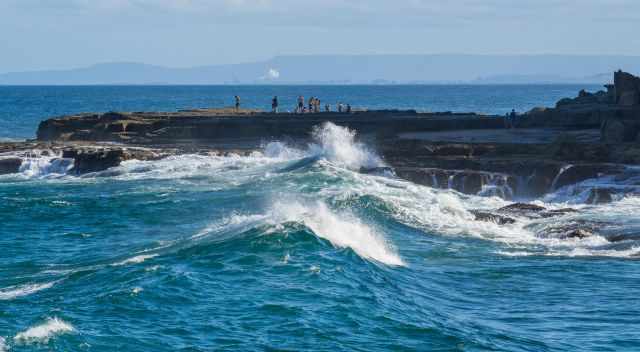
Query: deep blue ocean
[(293, 249)]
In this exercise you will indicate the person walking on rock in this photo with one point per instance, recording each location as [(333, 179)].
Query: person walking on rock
[(274, 105), (237, 98), (300, 104)]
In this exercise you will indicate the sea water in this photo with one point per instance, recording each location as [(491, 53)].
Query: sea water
[(292, 248)]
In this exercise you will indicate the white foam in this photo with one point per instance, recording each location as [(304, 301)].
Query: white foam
[(13, 292), (135, 260), (448, 213), (3, 344), (342, 230), (279, 150), (40, 166), (42, 333)]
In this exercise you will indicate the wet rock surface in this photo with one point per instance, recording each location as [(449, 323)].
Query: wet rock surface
[(491, 217), (9, 165)]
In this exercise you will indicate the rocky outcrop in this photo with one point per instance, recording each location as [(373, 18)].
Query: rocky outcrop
[(491, 217), (221, 125), (615, 111), (627, 89), (623, 127), (600, 196), (85, 158), (464, 181), (10, 165)]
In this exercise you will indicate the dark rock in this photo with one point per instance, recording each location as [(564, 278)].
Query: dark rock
[(574, 229), (627, 87), (97, 160), (452, 150), (619, 130), (10, 165), (526, 210), (577, 233), (490, 217), (69, 153), (114, 116), (557, 212), (619, 237), (522, 207), (382, 170), (600, 196), (578, 173)]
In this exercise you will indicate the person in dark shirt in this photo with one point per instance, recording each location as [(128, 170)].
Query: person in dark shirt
[(274, 105), (237, 98)]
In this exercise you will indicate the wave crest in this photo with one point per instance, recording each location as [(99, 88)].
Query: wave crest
[(44, 332)]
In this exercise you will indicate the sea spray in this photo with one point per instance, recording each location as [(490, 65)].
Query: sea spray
[(41, 166), (338, 145)]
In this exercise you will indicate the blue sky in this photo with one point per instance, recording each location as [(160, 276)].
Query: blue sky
[(46, 34)]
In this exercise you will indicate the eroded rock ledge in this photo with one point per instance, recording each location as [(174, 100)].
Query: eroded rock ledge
[(221, 125)]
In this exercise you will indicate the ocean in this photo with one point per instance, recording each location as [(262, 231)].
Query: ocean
[(292, 248)]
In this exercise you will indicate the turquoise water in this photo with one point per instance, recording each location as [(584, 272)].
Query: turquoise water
[(294, 249)]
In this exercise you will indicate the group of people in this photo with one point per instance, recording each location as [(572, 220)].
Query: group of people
[(313, 106)]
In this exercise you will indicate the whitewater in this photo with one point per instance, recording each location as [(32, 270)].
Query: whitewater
[(311, 247)]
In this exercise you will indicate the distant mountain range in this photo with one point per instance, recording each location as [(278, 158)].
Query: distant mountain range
[(355, 69)]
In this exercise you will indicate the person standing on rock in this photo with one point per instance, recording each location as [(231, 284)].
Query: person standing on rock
[(300, 104), (312, 101), (274, 105), (237, 98), (512, 117)]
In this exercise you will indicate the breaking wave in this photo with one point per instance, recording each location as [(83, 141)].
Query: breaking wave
[(333, 160), (13, 292), (41, 334)]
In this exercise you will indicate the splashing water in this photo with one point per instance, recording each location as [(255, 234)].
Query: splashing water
[(337, 144), (344, 230)]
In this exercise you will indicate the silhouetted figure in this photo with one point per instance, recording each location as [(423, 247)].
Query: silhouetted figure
[(327, 108), (348, 108), (339, 107), (300, 104), (512, 117), (237, 98), (274, 105)]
